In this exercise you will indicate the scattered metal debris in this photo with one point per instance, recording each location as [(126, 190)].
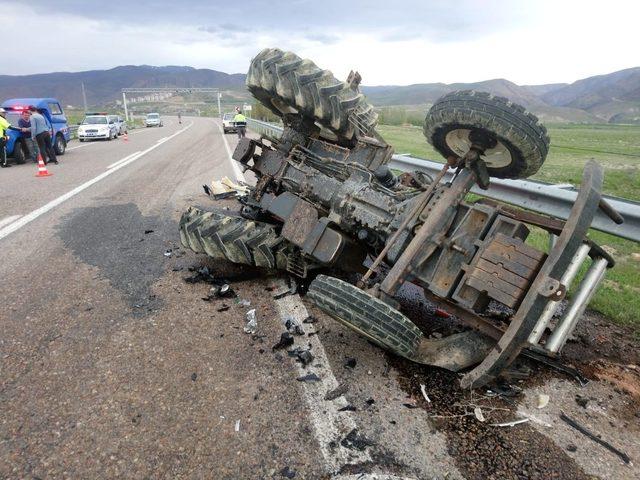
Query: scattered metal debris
[(574, 424), (310, 377), (336, 392), (286, 340), (350, 363), (353, 441), (556, 365), (582, 401), (301, 355), (292, 326), (348, 408), (252, 322)]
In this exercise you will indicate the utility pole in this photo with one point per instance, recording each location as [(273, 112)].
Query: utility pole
[(219, 109), (84, 98), (124, 102)]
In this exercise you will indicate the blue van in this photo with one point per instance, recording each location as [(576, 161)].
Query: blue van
[(51, 110)]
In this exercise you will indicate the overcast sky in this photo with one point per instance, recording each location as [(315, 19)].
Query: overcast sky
[(390, 42)]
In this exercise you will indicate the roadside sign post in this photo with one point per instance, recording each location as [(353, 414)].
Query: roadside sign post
[(124, 102)]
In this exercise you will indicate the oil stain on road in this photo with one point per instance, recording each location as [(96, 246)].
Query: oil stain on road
[(126, 246)]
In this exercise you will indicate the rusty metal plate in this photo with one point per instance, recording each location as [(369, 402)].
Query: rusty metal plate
[(503, 271), (300, 223)]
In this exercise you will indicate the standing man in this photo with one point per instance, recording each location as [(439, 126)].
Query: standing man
[(25, 127), (240, 122), (4, 126), (40, 132), (179, 118)]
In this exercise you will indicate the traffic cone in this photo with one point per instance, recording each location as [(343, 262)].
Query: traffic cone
[(42, 168), (125, 137)]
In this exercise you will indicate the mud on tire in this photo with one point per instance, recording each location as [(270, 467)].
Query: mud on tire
[(518, 132), (231, 237), (367, 315), (285, 83)]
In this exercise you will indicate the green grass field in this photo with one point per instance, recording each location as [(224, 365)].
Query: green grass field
[(617, 148)]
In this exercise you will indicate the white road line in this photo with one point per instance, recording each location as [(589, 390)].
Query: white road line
[(8, 220), (329, 424), (115, 164), (54, 203), (236, 169), (79, 146)]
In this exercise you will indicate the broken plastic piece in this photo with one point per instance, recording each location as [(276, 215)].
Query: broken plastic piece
[(479, 415), (252, 322), (542, 401), (424, 393), (510, 424)]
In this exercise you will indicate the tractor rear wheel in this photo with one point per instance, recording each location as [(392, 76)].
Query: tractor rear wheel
[(286, 84)]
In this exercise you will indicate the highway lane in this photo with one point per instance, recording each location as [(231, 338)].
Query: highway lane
[(112, 366)]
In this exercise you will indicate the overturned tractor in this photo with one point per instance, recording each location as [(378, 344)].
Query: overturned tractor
[(326, 200)]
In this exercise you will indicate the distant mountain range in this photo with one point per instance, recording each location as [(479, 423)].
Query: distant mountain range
[(104, 86), (614, 97)]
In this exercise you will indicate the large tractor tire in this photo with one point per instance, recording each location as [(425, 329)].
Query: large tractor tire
[(230, 237), (286, 84), (522, 142), (367, 315)]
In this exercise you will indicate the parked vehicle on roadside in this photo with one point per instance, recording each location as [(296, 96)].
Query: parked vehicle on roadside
[(53, 113), (228, 125), (121, 124), (97, 126), (153, 120)]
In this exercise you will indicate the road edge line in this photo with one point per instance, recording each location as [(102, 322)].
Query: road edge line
[(234, 165)]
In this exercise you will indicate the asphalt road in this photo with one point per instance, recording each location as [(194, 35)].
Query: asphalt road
[(112, 366)]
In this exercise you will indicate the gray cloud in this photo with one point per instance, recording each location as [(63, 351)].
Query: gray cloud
[(436, 20)]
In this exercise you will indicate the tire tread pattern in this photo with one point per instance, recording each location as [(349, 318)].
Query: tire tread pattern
[(277, 77), (520, 130), (367, 315)]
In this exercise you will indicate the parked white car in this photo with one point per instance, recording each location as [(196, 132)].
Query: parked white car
[(153, 120), (120, 124), (228, 125), (97, 126)]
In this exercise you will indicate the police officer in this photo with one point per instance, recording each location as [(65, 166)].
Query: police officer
[(240, 122), (4, 126)]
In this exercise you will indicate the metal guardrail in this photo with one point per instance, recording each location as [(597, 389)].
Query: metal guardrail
[(541, 197)]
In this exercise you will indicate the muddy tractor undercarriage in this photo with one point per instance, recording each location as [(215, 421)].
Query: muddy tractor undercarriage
[(325, 200)]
